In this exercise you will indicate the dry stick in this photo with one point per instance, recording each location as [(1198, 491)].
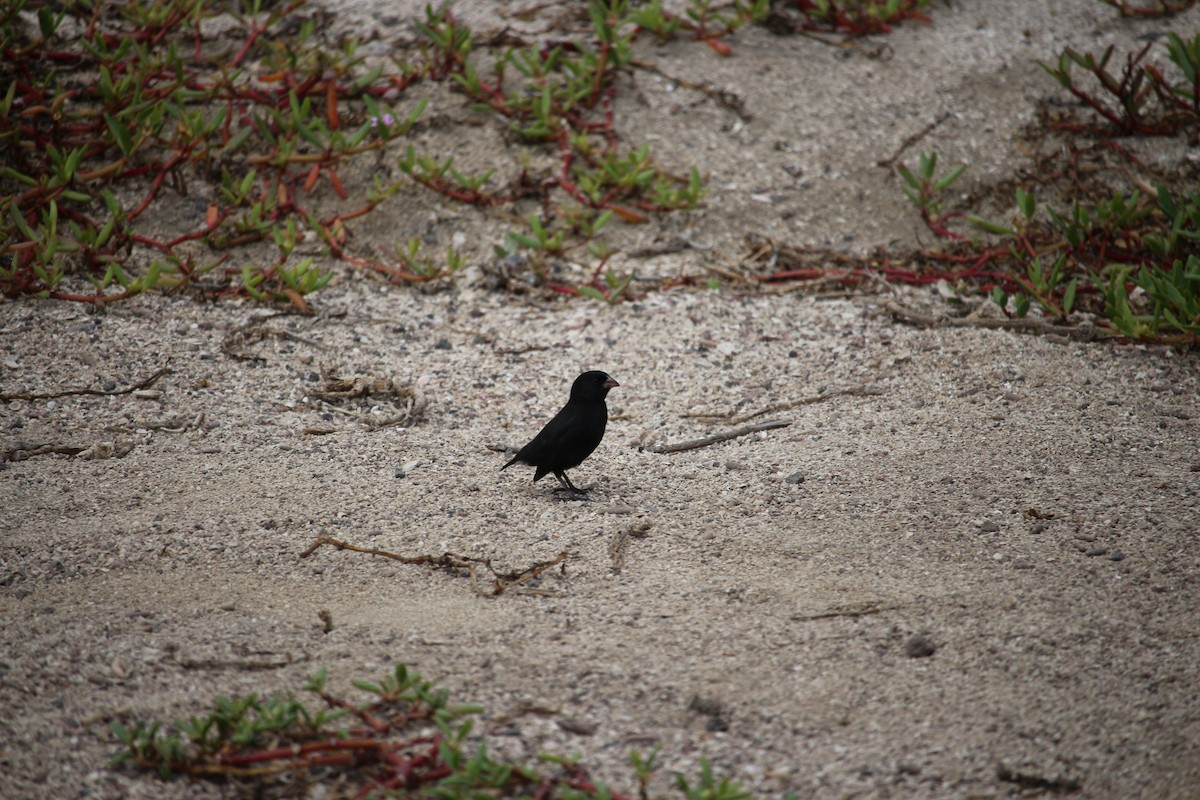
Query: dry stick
[(616, 550), (848, 611), (503, 581), (1040, 783), (522, 350), (863, 390), (1085, 332), (873, 54), (723, 97), (254, 332), (22, 454), (717, 438), (447, 560), (616, 546), (146, 384), (913, 139), (246, 666)]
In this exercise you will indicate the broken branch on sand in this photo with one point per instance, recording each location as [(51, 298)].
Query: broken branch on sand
[(717, 438), (144, 384), (1083, 332), (502, 581)]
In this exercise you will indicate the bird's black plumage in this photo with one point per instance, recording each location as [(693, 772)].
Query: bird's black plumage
[(574, 432)]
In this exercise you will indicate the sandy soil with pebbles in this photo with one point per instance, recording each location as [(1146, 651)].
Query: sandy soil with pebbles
[(970, 557)]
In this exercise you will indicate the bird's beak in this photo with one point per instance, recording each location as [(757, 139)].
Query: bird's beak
[(611, 384)]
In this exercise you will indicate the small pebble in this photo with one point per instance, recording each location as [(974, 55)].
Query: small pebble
[(919, 646), (989, 527), (796, 478), (1092, 552), (708, 706), (578, 727), (1116, 555)]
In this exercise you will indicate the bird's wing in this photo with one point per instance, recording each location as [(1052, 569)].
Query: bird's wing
[(554, 436), (549, 439)]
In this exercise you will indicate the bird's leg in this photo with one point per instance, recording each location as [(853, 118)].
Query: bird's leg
[(566, 482)]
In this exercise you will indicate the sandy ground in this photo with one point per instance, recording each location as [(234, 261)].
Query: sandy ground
[(972, 557)]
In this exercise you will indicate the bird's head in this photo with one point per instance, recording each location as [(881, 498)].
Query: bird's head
[(592, 386)]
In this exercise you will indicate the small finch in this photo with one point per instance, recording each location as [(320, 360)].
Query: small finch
[(574, 432)]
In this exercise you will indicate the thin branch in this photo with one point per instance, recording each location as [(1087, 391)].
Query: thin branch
[(1084, 332), (861, 390), (851, 611), (717, 438), (502, 581), (145, 384), (911, 140), (616, 546)]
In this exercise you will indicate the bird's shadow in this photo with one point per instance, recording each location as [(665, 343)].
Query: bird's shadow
[(564, 494)]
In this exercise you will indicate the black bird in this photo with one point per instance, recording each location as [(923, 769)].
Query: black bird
[(574, 432)]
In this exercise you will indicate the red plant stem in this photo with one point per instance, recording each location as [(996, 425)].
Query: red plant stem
[(156, 184), (543, 790), (95, 299), (365, 746), (166, 247), (349, 215), (583, 783), (251, 38), (464, 196), (392, 272)]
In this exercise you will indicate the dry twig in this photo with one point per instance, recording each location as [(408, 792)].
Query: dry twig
[(616, 547), (853, 611), (410, 401), (502, 581), (235, 344), (98, 450), (888, 163), (717, 438), (860, 390), (1083, 332), (144, 384)]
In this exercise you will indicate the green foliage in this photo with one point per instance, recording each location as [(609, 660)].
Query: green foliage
[(1139, 97), (1055, 258), (427, 268), (1182, 228), (156, 117), (280, 745), (614, 288), (708, 787), (924, 189), (651, 17), (1170, 305), (863, 17)]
